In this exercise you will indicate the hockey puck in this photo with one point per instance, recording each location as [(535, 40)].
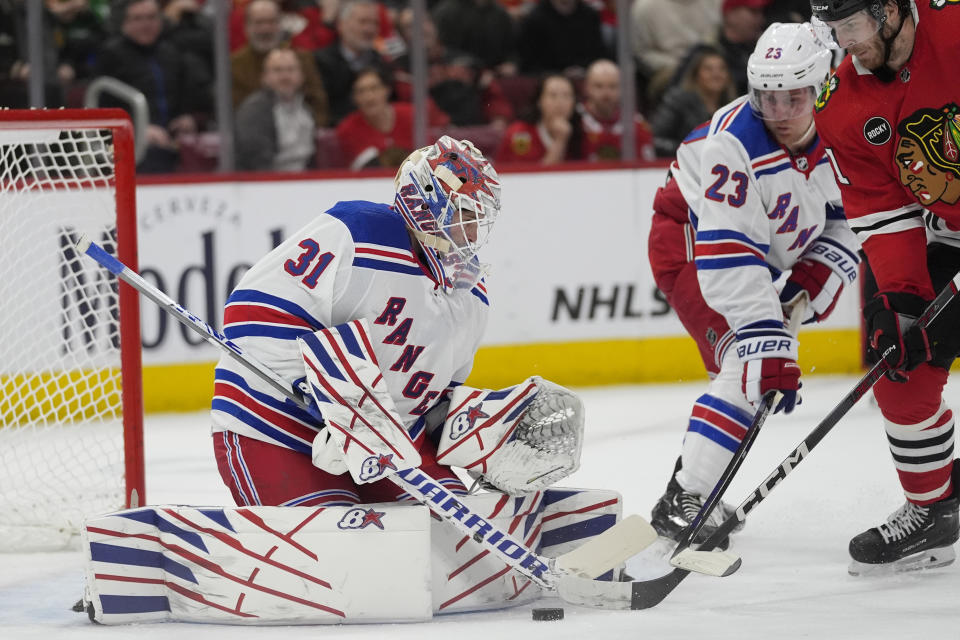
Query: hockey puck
[(547, 613)]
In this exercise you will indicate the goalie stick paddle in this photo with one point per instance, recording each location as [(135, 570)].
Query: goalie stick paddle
[(597, 556), (644, 594)]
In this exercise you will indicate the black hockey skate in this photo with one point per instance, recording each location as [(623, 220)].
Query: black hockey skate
[(677, 509), (912, 538)]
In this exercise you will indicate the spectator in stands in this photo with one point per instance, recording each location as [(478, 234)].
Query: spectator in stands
[(743, 23), (189, 29), (560, 35), (357, 26), (600, 116), (77, 32), (72, 32), (457, 85), (704, 88), (663, 31), (379, 133), (263, 35), (307, 24), (550, 133), (172, 81), (482, 28), (275, 128)]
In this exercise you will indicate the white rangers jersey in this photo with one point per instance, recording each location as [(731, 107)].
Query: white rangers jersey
[(757, 210), (355, 261)]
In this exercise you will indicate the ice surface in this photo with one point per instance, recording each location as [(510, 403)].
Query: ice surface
[(793, 583)]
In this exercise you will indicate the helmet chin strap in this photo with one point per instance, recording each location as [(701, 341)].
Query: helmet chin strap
[(884, 73), (806, 136)]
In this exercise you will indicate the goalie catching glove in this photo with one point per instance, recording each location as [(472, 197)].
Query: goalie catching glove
[(517, 440)]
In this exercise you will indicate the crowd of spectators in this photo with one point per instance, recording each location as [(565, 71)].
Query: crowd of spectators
[(327, 83)]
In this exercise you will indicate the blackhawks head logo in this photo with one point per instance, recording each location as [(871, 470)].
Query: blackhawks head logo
[(928, 154), (940, 4), (827, 92)]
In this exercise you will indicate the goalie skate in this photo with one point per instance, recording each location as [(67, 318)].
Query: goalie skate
[(912, 539)]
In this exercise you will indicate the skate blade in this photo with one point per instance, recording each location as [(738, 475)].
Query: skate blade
[(929, 559)]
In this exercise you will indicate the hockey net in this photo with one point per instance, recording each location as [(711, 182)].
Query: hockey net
[(70, 401)]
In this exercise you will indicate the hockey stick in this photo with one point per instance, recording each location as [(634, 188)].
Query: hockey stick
[(724, 564), (644, 594), (595, 557)]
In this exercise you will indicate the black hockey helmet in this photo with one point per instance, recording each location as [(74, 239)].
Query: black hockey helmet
[(832, 10)]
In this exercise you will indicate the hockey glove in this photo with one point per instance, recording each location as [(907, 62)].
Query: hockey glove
[(891, 333), (769, 356), (769, 374), (821, 284)]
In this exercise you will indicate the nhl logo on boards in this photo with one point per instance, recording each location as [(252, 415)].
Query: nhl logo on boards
[(877, 131)]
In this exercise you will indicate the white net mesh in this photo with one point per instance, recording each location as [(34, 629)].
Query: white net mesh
[(61, 429)]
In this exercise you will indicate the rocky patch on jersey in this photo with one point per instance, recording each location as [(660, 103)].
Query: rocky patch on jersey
[(877, 131), (826, 93), (928, 154)]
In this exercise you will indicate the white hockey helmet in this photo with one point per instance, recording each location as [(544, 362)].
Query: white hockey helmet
[(787, 70), (449, 196)]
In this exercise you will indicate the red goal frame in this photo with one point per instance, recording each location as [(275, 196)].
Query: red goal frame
[(124, 177)]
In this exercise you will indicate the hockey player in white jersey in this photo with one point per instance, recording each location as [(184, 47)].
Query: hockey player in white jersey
[(749, 222), (411, 272)]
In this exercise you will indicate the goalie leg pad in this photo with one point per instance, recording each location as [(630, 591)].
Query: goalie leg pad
[(260, 565), (304, 565)]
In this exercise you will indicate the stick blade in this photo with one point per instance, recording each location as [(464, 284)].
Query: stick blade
[(611, 548), (712, 563), (598, 594)]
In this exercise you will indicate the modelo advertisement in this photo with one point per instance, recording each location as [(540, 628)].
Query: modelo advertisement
[(568, 256)]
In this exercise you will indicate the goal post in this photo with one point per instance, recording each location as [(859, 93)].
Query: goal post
[(71, 408)]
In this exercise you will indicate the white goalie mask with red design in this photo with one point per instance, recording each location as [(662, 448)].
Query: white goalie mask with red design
[(449, 196)]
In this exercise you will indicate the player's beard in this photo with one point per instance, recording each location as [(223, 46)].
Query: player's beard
[(883, 72)]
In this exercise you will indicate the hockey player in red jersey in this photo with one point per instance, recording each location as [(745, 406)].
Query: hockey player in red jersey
[(891, 122), (750, 199)]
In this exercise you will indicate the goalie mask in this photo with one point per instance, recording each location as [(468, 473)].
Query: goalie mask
[(449, 196), (786, 71)]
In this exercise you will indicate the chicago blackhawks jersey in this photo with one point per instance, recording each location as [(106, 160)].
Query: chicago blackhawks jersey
[(896, 150), (757, 210), (355, 261)]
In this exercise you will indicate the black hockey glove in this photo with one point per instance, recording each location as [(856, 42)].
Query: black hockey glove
[(890, 319)]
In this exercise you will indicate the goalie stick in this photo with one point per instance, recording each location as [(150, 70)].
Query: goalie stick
[(644, 594), (595, 557)]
